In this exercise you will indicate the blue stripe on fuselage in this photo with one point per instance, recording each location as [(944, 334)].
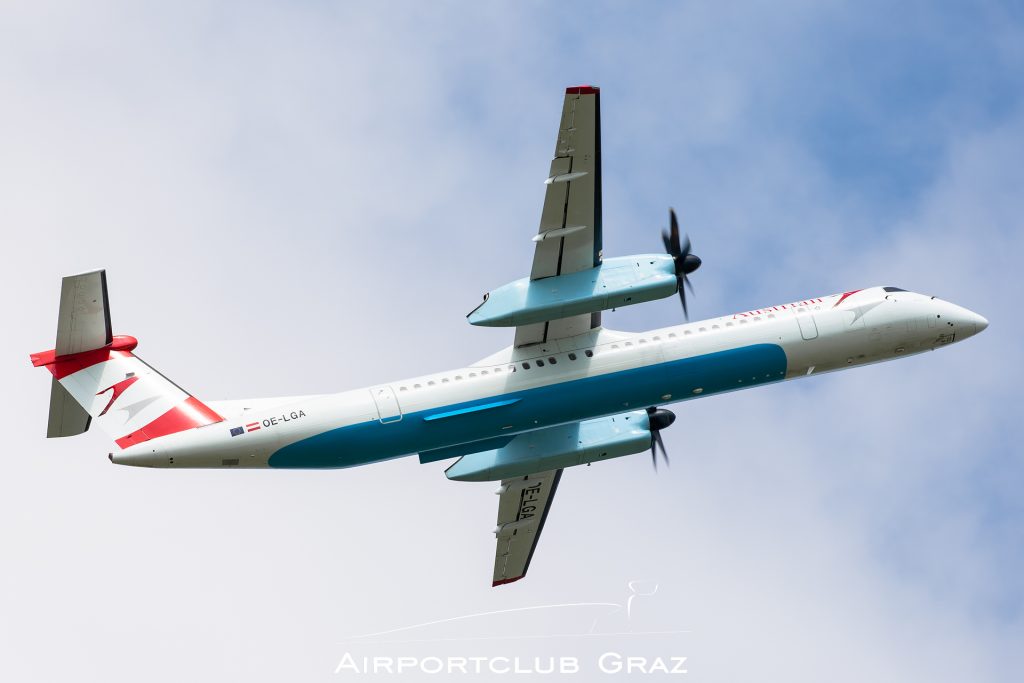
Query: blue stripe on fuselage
[(558, 403)]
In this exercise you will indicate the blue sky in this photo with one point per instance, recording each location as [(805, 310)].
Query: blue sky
[(297, 198)]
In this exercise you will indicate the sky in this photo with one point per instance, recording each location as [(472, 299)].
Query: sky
[(307, 197)]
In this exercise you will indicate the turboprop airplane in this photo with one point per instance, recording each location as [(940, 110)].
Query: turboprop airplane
[(567, 391)]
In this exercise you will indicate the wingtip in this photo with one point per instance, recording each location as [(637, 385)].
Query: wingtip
[(501, 582)]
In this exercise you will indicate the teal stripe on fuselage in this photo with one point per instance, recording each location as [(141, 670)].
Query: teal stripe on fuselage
[(569, 401), (469, 409)]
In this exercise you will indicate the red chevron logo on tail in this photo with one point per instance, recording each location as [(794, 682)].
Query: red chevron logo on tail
[(118, 389)]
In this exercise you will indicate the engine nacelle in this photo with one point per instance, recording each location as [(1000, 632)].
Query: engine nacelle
[(557, 447), (617, 282)]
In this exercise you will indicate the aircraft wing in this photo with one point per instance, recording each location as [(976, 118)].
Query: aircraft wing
[(569, 238), (522, 509)]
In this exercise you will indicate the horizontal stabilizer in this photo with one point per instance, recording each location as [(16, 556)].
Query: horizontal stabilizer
[(67, 417)]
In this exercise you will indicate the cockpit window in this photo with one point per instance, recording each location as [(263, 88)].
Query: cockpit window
[(893, 289)]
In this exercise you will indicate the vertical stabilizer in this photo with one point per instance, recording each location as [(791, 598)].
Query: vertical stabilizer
[(83, 323), (97, 377)]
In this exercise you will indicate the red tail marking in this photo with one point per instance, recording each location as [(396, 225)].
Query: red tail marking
[(62, 366), (189, 414), (118, 389)]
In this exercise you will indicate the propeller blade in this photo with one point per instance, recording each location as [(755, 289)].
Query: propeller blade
[(685, 262), (675, 249), (659, 442), (654, 456)]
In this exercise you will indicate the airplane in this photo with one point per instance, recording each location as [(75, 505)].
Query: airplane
[(566, 392)]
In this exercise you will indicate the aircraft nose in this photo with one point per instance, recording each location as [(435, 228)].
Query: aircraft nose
[(967, 322), (970, 323)]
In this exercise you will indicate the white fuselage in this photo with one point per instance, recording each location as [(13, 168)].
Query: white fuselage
[(594, 374)]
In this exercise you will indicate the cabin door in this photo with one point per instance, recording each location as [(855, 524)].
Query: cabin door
[(388, 409), (808, 328)]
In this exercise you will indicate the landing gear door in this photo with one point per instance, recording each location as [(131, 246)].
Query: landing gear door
[(808, 328), (388, 409)]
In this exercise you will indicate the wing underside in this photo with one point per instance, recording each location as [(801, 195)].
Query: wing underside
[(568, 241), (522, 510), (569, 238)]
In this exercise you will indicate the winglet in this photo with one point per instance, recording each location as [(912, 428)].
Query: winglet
[(582, 90)]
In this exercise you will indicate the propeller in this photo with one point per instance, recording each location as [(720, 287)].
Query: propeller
[(659, 419), (686, 262)]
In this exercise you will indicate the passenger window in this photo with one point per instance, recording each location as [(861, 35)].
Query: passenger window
[(526, 366), (686, 332), (483, 372), (444, 380), (472, 375), (572, 356), (416, 386), (431, 383), (540, 363), (458, 377), (671, 335), (401, 388), (552, 360), (715, 327), (629, 343), (590, 354)]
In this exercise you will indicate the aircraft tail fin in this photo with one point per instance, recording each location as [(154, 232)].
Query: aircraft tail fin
[(97, 377)]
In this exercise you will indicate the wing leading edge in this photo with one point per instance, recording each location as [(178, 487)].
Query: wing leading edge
[(522, 510)]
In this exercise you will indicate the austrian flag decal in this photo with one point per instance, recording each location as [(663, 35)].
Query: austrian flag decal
[(268, 422)]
